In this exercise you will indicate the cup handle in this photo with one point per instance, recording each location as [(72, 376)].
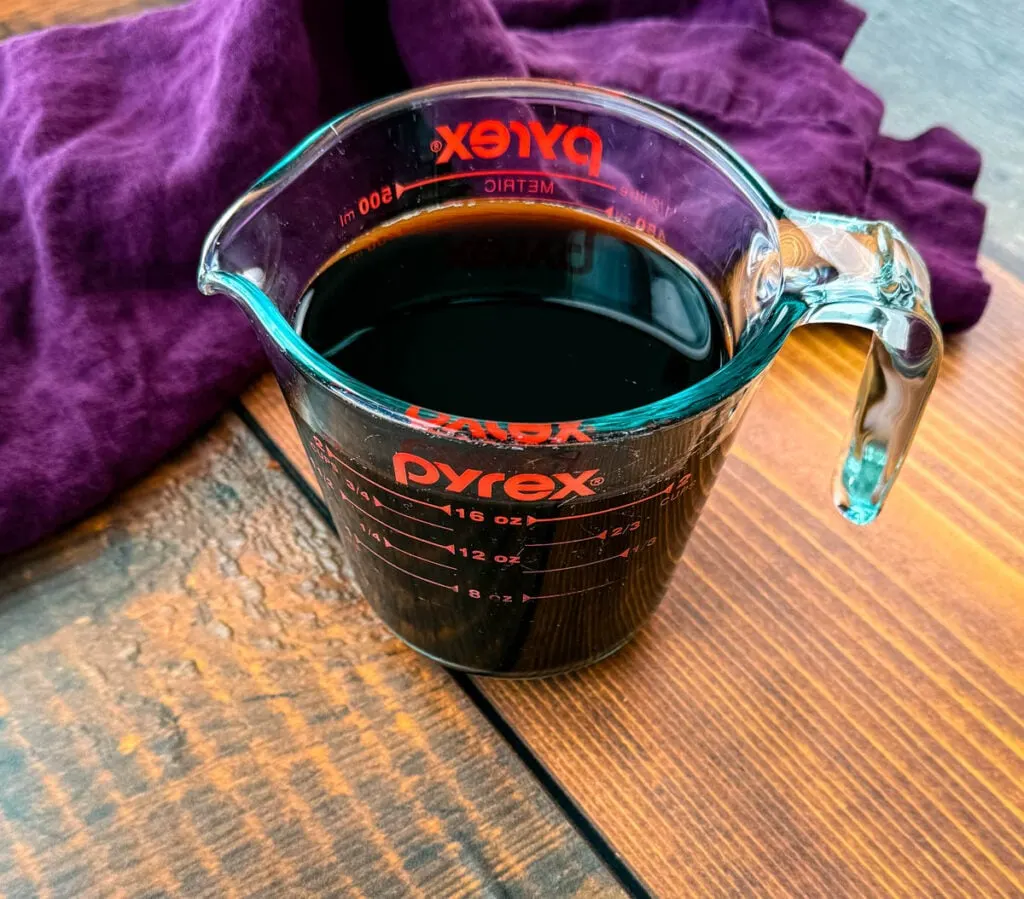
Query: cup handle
[(853, 272)]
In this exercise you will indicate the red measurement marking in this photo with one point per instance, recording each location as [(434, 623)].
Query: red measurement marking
[(450, 548), (378, 504), (570, 592), (406, 552), (602, 536), (447, 509), (454, 588), (490, 173), (531, 520), (621, 555)]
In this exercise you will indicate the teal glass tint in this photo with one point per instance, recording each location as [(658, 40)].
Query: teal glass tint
[(767, 269)]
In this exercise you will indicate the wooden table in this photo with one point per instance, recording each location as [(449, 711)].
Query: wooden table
[(196, 701)]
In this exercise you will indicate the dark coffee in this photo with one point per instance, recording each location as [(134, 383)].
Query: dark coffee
[(503, 533), (514, 312)]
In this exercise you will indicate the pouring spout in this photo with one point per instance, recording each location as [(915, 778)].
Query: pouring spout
[(241, 258), (244, 287), (208, 279), (238, 260), (223, 258), (213, 279)]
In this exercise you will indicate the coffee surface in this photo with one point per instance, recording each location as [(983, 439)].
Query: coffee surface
[(514, 312)]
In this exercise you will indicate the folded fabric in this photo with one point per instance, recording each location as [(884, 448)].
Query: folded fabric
[(121, 143)]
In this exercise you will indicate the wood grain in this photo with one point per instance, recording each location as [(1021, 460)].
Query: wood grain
[(819, 709), (195, 701), (22, 16)]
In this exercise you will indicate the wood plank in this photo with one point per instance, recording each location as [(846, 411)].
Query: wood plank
[(195, 701), (22, 16), (818, 709)]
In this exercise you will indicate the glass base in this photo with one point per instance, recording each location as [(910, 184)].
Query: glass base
[(515, 675)]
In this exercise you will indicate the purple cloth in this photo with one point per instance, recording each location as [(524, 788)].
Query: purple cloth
[(121, 143)]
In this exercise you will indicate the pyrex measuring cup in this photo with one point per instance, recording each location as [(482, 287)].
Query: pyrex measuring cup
[(526, 548)]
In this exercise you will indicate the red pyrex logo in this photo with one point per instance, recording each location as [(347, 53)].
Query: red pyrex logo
[(527, 488), (490, 139), (515, 432)]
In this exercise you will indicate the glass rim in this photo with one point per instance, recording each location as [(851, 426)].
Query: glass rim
[(749, 360)]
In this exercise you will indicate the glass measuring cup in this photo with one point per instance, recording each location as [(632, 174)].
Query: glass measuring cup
[(526, 548)]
